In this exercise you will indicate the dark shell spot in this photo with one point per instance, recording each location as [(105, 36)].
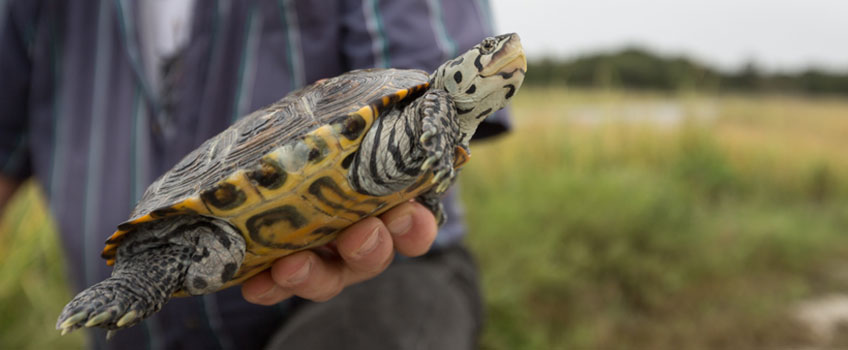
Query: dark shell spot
[(224, 196), (457, 77), (196, 258), (269, 175), (320, 151), (199, 283), (390, 100), (270, 217), (416, 91), (318, 187), (350, 126), (377, 107), (348, 160), (163, 212), (314, 153), (471, 89), (229, 271)]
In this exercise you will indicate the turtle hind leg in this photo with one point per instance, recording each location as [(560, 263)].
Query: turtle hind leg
[(192, 254), (138, 287)]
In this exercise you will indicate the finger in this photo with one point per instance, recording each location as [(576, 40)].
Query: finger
[(261, 289), (308, 276), (366, 249), (413, 228)]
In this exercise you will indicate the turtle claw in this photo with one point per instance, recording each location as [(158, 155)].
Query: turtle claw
[(128, 318), (98, 306), (428, 163), (443, 187), (72, 321), (98, 319), (441, 175), (426, 136), (110, 334)]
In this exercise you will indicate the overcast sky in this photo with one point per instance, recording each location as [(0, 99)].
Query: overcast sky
[(778, 34)]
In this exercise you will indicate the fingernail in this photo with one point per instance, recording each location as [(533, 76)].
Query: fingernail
[(301, 273), (268, 293), (370, 243), (401, 225)]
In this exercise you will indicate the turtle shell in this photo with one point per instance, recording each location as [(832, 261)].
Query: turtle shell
[(279, 175)]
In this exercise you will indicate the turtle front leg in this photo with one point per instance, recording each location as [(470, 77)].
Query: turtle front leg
[(194, 255), (433, 201), (438, 138), (407, 143)]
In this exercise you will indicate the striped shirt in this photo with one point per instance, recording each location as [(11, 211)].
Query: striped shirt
[(79, 113)]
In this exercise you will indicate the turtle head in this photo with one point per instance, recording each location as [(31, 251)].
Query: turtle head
[(483, 79)]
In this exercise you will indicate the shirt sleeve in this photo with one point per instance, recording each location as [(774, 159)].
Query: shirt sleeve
[(416, 34), (14, 91)]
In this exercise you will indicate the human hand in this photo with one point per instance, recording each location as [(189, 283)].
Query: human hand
[(362, 251)]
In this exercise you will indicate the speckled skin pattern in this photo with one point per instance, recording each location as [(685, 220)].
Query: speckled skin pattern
[(291, 176), (196, 254)]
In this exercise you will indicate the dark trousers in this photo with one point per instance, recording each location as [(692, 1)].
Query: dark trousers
[(431, 302)]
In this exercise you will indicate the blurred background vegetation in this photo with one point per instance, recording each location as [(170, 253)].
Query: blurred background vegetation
[(636, 68), (642, 220), (641, 202)]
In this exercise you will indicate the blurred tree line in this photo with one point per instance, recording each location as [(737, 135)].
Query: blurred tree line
[(637, 68)]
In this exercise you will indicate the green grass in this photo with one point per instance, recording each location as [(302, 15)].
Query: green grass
[(599, 223), (618, 235), (33, 284)]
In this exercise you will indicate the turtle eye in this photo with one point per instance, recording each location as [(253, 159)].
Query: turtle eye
[(488, 45)]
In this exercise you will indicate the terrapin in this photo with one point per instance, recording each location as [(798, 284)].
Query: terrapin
[(292, 175)]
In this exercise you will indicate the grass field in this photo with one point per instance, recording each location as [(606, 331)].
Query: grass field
[(608, 220), (638, 221)]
